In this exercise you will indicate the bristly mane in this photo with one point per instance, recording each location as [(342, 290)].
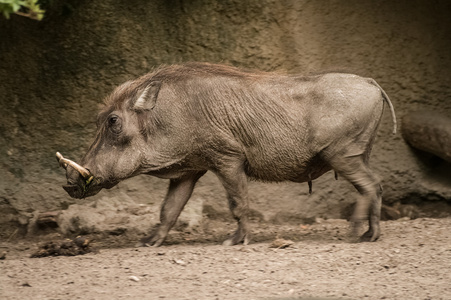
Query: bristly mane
[(185, 71), (175, 73)]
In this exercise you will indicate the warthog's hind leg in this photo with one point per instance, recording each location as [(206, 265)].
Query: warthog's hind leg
[(368, 206), (234, 180)]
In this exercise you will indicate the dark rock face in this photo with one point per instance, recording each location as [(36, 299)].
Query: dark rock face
[(428, 131), (55, 73)]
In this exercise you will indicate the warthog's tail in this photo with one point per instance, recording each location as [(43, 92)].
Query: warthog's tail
[(385, 96)]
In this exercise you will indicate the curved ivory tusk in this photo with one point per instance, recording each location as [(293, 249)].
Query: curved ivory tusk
[(60, 160), (64, 162)]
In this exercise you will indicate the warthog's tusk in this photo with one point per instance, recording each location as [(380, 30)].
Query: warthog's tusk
[(64, 162)]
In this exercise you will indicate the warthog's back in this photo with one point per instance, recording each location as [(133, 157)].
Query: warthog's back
[(285, 124)]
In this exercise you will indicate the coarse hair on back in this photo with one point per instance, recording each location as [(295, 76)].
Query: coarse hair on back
[(174, 74), (171, 73)]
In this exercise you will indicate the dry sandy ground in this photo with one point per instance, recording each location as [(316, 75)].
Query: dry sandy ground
[(412, 260)]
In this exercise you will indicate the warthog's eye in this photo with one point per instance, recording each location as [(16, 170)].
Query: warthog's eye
[(113, 120), (115, 124)]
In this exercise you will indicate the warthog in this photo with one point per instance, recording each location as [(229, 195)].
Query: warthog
[(180, 121)]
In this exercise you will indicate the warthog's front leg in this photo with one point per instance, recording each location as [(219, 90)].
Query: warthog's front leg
[(179, 192)]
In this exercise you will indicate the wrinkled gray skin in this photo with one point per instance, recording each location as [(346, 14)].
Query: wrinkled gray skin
[(181, 121)]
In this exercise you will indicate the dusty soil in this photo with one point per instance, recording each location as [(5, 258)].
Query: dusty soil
[(412, 260)]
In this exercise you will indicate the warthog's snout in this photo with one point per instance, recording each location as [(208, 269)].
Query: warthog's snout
[(77, 188)]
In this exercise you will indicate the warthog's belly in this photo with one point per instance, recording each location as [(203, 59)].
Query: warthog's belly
[(300, 172)]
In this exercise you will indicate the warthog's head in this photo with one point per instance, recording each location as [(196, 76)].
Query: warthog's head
[(120, 149)]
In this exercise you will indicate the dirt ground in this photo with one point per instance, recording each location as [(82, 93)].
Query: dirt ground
[(412, 260)]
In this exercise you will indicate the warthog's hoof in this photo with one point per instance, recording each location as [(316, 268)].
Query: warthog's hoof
[(370, 236), (154, 240), (237, 239)]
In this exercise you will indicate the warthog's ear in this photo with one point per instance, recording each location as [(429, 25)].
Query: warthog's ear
[(148, 97)]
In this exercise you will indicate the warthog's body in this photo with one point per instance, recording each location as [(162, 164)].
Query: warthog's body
[(181, 121)]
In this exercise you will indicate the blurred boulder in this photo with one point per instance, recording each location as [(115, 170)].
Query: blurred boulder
[(113, 215), (428, 131)]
